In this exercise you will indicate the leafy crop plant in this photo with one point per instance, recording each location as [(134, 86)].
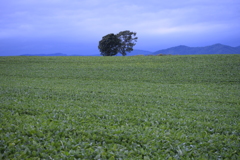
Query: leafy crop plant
[(153, 107)]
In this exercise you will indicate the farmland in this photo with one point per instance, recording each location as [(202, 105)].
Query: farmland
[(153, 107)]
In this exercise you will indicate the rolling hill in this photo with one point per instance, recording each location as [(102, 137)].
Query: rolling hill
[(133, 53), (137, 52), (178, 50), (213, 49), (52, 54)]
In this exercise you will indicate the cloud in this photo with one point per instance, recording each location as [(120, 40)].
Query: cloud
[(77, 17), (89, 20)]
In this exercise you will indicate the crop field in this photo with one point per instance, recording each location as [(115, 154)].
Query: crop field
[(152, 107)]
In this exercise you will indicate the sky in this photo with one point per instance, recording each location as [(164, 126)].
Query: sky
[(76, 26)]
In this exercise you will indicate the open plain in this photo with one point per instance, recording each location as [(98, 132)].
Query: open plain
[(139, 107)]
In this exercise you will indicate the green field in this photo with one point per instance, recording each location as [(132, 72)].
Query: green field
[(153, 107)]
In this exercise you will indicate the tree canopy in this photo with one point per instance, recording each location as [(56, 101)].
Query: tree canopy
[(109, 45), (128, 40), (122, 42)]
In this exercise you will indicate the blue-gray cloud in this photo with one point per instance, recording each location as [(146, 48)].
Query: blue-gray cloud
[(89, 20)]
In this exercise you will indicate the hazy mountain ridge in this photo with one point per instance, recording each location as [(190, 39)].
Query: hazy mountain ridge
[(213, 49), (133, 53), (178, 50), (137, 52), (52, 54)]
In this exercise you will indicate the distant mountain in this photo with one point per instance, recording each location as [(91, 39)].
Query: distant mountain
[(136, 52), (213, 49), (139, 52), (178, 50), (53, 54), (133, 53), (85, 55)]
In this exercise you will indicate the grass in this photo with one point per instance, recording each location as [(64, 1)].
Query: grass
[(155, 107)]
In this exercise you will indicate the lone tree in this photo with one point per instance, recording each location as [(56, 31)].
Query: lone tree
[(109, 45), (122, 42), (128, 40)]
